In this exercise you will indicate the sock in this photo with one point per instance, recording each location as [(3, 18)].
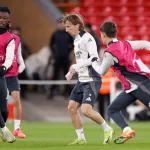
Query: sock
[(17, 124), (80, 134), (4, 129), (105, 126), (126, 128)]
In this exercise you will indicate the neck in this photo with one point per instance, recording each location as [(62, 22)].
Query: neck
[(109, 40), (77, 33), (2, 30)]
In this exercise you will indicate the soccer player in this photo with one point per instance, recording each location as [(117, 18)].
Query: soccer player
[(132, 72), (13, 86), (7, 47), (85, 92)]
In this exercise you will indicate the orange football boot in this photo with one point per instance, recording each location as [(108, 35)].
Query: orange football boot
[(18, 133), (125, 136)]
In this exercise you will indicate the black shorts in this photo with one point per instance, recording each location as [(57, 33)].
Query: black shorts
[(86, 92), (12, 84)]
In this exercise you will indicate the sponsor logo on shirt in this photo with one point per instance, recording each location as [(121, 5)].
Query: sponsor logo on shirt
[(78, 54)]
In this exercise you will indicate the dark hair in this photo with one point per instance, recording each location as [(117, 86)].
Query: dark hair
[(88, 25), (110, 28), (74, 19), (4, 9)]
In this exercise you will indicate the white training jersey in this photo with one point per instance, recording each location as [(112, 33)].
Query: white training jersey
[(85, 49)]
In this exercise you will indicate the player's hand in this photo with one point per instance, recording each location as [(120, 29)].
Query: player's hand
[(21, 68), (2, 71), (72, 69), (69, 76)]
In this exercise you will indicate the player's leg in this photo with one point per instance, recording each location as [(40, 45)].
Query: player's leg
[(6, 135), (143, 93), (114, 111), (74, 104), (17, 114), (14, 90), (91, 90)]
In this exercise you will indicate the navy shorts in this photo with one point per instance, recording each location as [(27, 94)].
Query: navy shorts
[(12, 84), (86, 92)]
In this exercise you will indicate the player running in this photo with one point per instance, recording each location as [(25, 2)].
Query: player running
[(85, 92)]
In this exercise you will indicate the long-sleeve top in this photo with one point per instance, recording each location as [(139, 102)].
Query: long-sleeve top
[(9, 54)]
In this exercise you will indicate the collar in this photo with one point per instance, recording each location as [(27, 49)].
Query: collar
[(113, 41), (81, 33)]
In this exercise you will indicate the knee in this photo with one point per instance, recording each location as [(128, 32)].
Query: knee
[(111, 110), (16, 98), (72, 108)]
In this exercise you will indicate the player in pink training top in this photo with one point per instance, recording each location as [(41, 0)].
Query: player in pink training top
[(7, 47), (13, 85)]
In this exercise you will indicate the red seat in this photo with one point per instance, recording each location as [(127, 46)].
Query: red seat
[(129, 37), (142, 30), (145, 37), (134, 3), (128, 30), (143, 20), (145, 2)]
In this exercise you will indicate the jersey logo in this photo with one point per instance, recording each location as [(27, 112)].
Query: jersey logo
[(89, 40), (88, 99), (78, 54)]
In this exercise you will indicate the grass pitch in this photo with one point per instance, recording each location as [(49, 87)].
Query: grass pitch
[(56, 136)]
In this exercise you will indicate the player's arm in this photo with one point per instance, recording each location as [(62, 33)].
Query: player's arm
[(10, 49), (108, 61), (141, 44), (92, 50), (20, 59)]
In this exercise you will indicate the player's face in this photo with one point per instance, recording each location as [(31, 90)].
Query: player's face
[(4, 19), (73, 30)]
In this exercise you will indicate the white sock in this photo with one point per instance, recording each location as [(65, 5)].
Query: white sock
[(126, 128), (17, 124), (105, 126), (4, 129), (80, 134)]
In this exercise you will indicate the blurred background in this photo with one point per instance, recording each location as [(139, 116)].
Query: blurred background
[(48, 52)]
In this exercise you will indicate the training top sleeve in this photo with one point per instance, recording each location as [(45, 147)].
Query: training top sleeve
[(10, 49), (108, 61), (20, 58), (141, 44)]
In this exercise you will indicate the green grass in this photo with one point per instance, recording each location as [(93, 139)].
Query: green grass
[(56, 136)]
